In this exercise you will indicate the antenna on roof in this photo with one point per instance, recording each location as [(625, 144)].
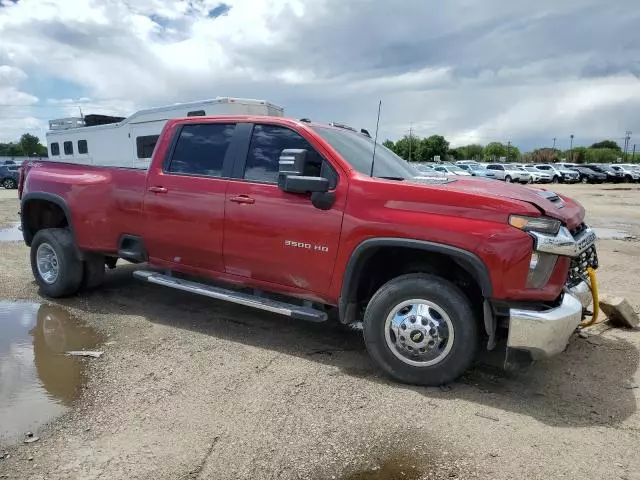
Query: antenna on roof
[(375, 141)]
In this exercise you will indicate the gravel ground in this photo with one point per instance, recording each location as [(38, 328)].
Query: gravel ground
[(193, 388)]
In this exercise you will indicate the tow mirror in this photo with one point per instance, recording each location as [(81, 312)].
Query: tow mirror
[(292, 161), (300, 184)]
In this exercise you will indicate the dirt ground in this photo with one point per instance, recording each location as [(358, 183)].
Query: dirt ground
[(193, 388)]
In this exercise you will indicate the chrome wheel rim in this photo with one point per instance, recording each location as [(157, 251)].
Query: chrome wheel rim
[(7, 184), (47, 263), (419, 332)]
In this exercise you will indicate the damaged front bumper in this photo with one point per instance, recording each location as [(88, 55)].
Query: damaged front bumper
[(539, 334), (535, 335)]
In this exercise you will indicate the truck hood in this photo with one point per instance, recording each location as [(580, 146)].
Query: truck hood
[(565, 209)]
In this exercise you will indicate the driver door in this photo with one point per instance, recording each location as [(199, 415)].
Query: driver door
[(275, 236)]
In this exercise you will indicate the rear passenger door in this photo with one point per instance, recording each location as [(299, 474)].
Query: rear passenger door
[(185, 198), (275, 236)]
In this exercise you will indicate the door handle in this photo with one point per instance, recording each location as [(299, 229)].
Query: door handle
[(242, 199), (158, 189)]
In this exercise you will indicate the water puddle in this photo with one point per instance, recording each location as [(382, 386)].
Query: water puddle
[(390, 469), (38, 381), (13, 234), (611, 234)]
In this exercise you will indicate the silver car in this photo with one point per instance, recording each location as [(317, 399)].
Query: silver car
[(509, 173)]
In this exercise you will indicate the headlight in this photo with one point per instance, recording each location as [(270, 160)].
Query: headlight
[(541, 266), (535, 224)]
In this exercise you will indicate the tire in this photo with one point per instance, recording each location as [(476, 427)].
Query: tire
[(507, 179), (530, 180), (68, 267), (555, 179), (92, 271), (9, 183), (449, 362), (584, 180)]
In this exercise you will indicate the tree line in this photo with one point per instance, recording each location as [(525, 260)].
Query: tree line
[(28, 146), (416, 149)]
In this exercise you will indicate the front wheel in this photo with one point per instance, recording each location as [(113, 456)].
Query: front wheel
[(420, 329), (584, 180), (55, 263), (507, 179), (555, 179)]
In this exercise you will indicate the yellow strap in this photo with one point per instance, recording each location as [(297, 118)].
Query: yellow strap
[(594, 295)]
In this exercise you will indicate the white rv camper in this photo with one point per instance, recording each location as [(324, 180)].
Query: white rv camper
[(129, 142)]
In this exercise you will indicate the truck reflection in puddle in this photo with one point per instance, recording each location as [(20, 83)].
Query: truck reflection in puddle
[(37, 380)]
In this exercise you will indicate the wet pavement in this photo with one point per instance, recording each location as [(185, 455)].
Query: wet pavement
[(38, 381), (13, 234)]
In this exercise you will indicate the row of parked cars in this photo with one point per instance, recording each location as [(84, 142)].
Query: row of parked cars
[(537, 173), (8, 174)]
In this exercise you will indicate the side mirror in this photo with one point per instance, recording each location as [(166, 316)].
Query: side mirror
[(292, 161), (300, 184)]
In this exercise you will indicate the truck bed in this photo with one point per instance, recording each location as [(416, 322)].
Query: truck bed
[(107, 201)]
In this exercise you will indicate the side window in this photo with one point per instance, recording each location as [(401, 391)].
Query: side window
[(440, 169), (201, 148), (267, 143), (68, 148), (145, 145), (82, 146), (55, 148)]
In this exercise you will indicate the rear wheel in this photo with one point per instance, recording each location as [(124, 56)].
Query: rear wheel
[(555, 179), (507, 179), (9, 183), (421, 329), (55, 263), (584, 179)]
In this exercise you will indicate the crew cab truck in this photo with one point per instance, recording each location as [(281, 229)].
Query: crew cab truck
[(318, 223)]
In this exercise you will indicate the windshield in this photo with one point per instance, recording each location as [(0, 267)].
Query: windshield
[(357, 150), (531, 169), (454, 168), (422, 168)]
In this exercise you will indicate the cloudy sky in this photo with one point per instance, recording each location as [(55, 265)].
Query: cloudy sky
[(474, 71)]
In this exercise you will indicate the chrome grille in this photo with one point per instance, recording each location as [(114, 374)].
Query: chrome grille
[(580, 264)]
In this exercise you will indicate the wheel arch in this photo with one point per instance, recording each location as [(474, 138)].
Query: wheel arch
[(354, 270), (32, 216)]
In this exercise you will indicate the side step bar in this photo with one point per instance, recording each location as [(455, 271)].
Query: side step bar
[(287, 309)]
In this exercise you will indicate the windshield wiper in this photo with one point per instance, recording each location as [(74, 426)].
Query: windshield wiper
[(391, 178)]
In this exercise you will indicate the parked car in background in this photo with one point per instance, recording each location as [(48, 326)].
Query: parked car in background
[(427, 169), (559, 174), (7, 162), (451, 169), (509, 173), (630, 174), (590, 176), (611, 174), (477, 170), (538, 175), (9, 176)]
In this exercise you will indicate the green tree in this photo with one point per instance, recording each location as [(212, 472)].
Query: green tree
[(470, 152), (512, 153), (435, 145), (494, 150), (545, 155), (601, 155), (406, 147), (390, 145), (577, 155), (609, 144)]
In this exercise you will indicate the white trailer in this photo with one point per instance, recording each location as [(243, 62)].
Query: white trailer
[(129, 142)]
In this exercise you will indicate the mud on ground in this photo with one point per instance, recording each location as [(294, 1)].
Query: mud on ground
[(192, 388)]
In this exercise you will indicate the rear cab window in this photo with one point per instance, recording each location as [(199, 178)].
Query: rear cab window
[(200, 149)]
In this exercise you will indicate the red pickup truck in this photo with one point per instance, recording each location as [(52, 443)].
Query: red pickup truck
[(319, 223)]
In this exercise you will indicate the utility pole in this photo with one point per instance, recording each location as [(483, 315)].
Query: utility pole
[(627, 137), (571, 149), (633, 155), (508, 145), (554, 142), (410, 139)]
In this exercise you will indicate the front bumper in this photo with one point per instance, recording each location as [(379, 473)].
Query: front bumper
[(534, 335)]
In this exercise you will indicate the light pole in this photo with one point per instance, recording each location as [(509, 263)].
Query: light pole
[(554, 142), (571, 149), (627, 137)]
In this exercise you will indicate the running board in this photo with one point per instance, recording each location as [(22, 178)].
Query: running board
[(287, 309)]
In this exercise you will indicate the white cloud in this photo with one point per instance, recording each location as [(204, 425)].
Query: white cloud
[(474, 71)]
